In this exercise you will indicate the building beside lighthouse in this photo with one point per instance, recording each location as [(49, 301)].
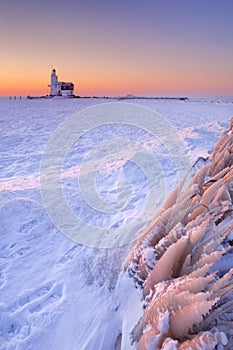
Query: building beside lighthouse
[(57, 88)]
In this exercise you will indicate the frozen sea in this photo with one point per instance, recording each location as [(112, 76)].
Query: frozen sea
[(79, 179)]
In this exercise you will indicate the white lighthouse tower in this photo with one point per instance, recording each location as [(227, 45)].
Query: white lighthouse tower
[(54, 83)]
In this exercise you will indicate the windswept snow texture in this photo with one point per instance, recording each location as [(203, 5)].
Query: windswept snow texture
[(57, 294)]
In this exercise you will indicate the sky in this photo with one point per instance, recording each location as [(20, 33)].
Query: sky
[(150, 47)]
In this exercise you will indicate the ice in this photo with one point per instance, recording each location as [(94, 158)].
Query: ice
[(56, 293)]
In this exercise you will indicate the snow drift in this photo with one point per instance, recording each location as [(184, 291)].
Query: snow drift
[(184, 267)]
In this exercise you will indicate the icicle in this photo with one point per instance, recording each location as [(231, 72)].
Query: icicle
[(173, 196), (222, 282), (167, 266), (183, 320), (200, 176), (205, 341), (172, 237)]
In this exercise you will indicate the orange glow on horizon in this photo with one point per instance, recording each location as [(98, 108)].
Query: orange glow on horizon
[(102, 80), (111, 88)]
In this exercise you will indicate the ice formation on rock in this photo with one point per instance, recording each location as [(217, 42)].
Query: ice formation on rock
[(180, 262)]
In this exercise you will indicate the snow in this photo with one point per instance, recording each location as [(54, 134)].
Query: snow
[(61, 294)]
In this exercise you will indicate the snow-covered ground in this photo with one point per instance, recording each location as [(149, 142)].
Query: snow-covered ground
[(65, 295)]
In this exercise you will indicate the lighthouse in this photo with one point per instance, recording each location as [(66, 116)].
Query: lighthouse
[(54, 83), (60, 88)]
